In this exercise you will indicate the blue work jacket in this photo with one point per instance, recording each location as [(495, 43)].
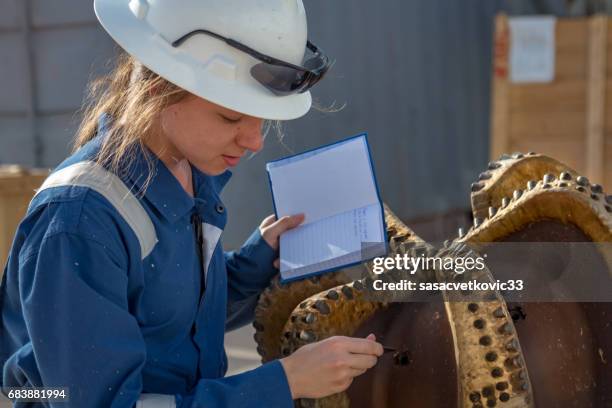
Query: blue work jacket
[(101, 292)]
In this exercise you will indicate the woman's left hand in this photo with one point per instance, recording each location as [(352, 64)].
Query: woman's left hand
[(271, 229)]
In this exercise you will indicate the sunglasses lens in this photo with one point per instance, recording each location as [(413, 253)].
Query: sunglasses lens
[(278, 79)]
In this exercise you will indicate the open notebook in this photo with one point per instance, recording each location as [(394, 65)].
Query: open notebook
[(335, 187)]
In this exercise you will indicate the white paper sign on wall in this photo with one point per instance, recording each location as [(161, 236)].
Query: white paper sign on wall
[(532, 49)]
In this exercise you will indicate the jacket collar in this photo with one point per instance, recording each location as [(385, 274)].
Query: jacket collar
[(163, 190)]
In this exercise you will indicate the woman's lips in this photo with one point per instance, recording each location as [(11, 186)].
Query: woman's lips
[(231, 161)]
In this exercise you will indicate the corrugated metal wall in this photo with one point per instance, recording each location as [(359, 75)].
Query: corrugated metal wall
[(414, 74), (48, 51)]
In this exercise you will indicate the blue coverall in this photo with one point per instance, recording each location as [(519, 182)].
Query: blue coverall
[(97, 298)]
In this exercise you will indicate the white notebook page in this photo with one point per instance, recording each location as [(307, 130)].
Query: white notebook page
[(324, 183), (330, 241), (334, 186)]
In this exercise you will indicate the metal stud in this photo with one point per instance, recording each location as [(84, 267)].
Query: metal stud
[(473, 307), (287, 334), (582, 181), (485, 175), (460, 233), (513, 362), (332, 295), (517, 194), (608, 208), (505, 201), (512, 345), (358, 285), (498, 312), (546, 186), (548, 178), (307, 336), (517, 155), (477, 222), (504, 396), (293, 318), (531, 184), (477, 187), (492, 212), (563, 185), (491, 403), (303, 305), (531, 153), (597, 188), (595, 197), (565, 176), (346, 291), (506, 328), (609, 199), (504, 156), (581, 189), (494, 165), (309, 318)]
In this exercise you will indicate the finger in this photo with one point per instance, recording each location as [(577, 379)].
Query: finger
[(361, 361), (269, 220), (363, 346), (355, 372), (285, 224), (276, 263), (371, 337)]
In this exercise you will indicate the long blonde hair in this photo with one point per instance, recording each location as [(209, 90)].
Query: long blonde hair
[(132, 96)]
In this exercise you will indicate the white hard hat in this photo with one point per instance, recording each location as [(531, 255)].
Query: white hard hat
[(204, 64)]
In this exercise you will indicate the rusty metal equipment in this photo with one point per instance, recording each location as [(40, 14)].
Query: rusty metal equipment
[(473, 353)]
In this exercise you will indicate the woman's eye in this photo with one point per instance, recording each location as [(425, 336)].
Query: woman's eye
[(230, 120)]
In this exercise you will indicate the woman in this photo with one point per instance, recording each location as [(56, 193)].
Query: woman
[(116, 286)]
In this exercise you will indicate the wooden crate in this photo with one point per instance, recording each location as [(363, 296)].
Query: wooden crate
[(17, 187), (570, 118)]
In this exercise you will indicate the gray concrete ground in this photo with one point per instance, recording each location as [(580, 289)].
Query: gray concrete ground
[(241, 354)]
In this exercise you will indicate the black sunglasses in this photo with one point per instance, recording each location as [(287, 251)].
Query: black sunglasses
[(280, 77)]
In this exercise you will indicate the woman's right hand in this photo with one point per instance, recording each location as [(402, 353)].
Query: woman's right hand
[(329, 366)]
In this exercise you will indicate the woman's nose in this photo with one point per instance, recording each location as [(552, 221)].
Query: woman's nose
[(250, 136)]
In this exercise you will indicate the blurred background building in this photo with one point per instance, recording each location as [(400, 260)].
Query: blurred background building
[(414, 74)]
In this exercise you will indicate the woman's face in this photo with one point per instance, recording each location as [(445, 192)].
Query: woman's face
[(210, 137)]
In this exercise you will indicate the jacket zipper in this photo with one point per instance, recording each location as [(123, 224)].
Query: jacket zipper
[(196, 221), (199, 237)]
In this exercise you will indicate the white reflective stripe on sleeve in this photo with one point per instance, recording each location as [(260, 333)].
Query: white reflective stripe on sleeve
[(156, 401), (92, 175), (212, 235)]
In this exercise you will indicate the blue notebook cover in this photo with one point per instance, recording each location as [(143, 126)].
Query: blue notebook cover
[(368, 250)]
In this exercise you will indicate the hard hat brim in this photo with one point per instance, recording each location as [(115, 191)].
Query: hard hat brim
[(138, 38)]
